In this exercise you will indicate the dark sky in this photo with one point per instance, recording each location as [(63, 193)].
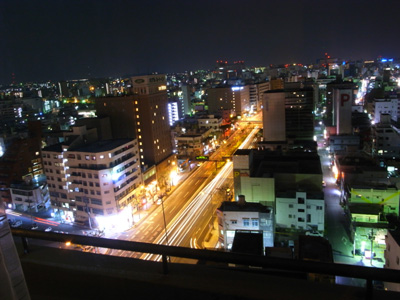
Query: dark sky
[(69, 39)]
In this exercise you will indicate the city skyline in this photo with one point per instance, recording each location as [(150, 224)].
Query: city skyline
[(56, 40)]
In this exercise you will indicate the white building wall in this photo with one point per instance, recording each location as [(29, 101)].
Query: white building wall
[(99, 182), (258, 189), (242, 220), (292, 214), (385, 107), (102, 189), (343, 99), (30, 198)]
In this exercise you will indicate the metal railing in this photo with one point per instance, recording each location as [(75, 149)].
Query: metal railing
[(367, 273)]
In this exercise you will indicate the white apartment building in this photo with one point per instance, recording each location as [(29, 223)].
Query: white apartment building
[(210, 122), (30, 197), (243, 215), (301, 210), (193, 144), (384, 106), (392, 257), (173, 113), (98, 179)]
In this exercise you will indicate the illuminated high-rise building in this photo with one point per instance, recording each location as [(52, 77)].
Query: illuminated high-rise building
[(234, 98), (142, 115), (288, 114)]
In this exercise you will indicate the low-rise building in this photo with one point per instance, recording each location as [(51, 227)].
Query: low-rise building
[(303, 211), (243, 215), (210, 122), (29, 196), (193, 144)]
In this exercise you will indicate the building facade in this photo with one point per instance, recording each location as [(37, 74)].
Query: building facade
[(288, 114), (142, 115), (301, 211), (98, 179), (234, 216), (30, 197), (234, 98)]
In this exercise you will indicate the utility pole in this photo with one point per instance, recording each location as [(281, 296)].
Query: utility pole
[(165, 222), (371, 237)]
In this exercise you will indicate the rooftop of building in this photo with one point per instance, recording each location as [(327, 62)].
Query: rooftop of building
[(247, 206), (54, 148), (374, 186), (243, 152), (267, 167), (102, 146), (248, 242), (311, 195), (365, 208), (314, 248)]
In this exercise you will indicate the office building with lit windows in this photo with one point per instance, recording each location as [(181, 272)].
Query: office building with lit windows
[(142, 115), (288, 114), (95, 179), (233, 98)]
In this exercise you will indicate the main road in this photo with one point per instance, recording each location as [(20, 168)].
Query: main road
[(185, 217)]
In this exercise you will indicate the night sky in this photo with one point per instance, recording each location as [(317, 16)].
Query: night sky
[(67, 39)]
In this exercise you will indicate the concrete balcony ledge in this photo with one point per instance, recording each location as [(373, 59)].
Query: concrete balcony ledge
[(53, 273)]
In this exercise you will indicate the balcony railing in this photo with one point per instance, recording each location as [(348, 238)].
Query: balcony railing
[(279, 264)]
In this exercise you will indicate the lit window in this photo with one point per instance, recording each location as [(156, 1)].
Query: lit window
[(138, 123), (138, 130), (137, 109), (140, 136), (246, 222), (137, 116)]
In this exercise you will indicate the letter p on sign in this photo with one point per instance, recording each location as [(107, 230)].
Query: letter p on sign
[(344, 98)]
